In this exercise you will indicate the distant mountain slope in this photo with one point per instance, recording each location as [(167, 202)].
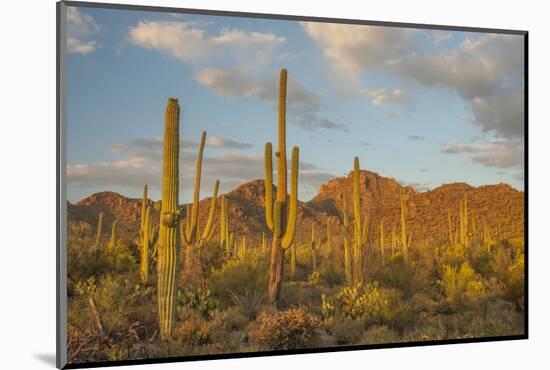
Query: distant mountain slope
[(500, 206)]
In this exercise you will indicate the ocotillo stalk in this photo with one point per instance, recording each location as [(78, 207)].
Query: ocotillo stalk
[(404, 243), (382, 247), (279, 221), (169, 236), (112, 244), (347, 253), (293, 260), (99, 231)]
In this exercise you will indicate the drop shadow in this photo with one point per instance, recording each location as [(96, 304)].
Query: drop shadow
[(47, 358)]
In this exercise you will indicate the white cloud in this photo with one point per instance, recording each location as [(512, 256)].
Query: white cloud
[(220, 142), (143, 165), (383, 96), (190, 43), (354, 48), (234, 82), (77, 46), (80, 27), (229, 82), (486, 71), (500, 154)]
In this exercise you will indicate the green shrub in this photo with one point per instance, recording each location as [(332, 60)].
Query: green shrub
[(462, 284), (290, 329), (314, 278), (345, 330), (240, 276), (200, 300), (355, 302)]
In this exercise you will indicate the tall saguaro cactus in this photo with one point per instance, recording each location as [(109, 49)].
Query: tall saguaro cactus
[(99, 231), (113, 241), (347, 253), (293, 260), (360, 229), (404, 240), (224, 225), (314, 248), (279, 221), (382, 243), (169, 233)]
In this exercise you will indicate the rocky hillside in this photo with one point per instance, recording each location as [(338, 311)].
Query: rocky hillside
[(500, 206)]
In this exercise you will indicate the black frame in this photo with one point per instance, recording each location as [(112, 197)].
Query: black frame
[(61, 212)]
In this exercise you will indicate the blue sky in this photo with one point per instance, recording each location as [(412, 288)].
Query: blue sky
[(422, 106)]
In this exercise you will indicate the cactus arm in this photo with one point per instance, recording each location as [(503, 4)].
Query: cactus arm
[(291, 223), (192, 231), (281, 149), (268, 186), (207, 230)]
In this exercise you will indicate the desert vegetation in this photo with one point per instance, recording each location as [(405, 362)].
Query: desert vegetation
[(336, 272)]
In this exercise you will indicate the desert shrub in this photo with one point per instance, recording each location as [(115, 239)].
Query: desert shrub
[(380, 334), (345, 330), (461, 284), (248, 303), (354, 302), (192, 329), (303, 294), (290, 329), (396, 273), (200, 300), (315, 278), (239, 275), (510, 270)]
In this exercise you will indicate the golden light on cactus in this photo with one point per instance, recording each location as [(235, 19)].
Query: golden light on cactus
[(282, 225), (169, 235)]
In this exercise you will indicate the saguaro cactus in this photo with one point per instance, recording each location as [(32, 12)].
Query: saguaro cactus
[(99, 231), (279, 221), (148, 240), (404, 241), (347, 253), (330, 246), (144, 201), (382, 243), (360, 229), (190, 228), (224, 225), (293, 260), (314, 247), (112, 244), (169, 234)]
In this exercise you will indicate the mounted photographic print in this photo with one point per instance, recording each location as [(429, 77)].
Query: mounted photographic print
[(235, 184)]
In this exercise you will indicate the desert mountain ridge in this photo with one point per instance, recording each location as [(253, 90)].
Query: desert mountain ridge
[(500, 206)]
